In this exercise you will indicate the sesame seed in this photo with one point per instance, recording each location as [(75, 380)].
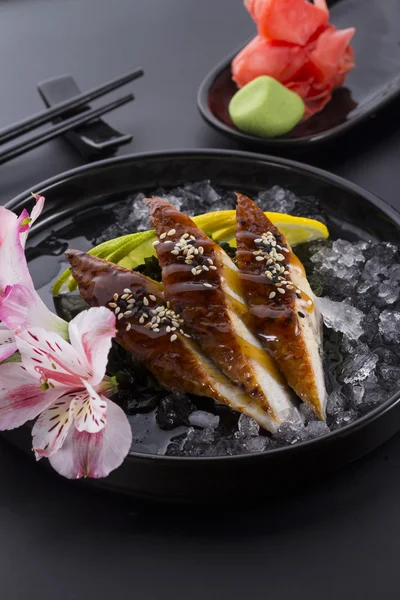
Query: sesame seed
[(156, 329), (163, 236), (171, 232), (201, 250), (117, 310), (289, 287), (192, 238), (141, 320), (285, 249), (194, 271), (128, 313), (173, 337), (208, 285), (115, 297), (127, 291), (145, 301), (259, 258), (258, 241), (205, 268), (112, 305), (281, 290), (153, 298), (128, 327), (213, 268), (185, 236), (186, 335), (168, 329), (120, 316), (176, 252), (302, 315), (124, 296), (272, 295), (148, 325), (156, 243), (268, 274), (175, 323)]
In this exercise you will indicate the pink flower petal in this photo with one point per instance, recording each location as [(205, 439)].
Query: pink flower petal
[(89, 410), (21, 308), (13, 266), (7, 343), (91, 333), (97, 454), (51, 428), (36, 211), (46, 355), (21, 397)]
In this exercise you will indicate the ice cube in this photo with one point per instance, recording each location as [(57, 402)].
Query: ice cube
[(291, 431), (359, 365), (256, 444), (277, 199), (373, 269), (307, 413), (389, 292), (389, 325), (315, 429), (348, 254), (342, 260), (248, 426), (343, 419), (203, 419), (374, 395), (393, 272), (357, 395), (198, 443), (336, 403), (342, 317), (389, 377)]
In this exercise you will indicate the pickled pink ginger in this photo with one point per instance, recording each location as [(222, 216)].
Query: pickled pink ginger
[(297, 46)]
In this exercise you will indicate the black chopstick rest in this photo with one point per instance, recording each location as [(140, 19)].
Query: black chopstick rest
[(92, 140)]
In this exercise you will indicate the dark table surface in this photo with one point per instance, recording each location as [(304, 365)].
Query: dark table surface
[(340, 538)]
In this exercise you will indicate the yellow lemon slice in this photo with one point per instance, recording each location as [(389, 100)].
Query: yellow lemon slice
[(131, 250)]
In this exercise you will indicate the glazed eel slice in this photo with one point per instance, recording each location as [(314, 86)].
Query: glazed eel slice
[(202, 281), (154, 333), (281, 302)]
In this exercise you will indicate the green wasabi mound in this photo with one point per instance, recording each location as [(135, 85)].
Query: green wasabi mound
[(266, 108)]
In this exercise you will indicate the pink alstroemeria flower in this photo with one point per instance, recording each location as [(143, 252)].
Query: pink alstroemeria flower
[(64, 385), (20, 304)]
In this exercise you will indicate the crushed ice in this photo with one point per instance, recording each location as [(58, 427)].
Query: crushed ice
[(342, 317)]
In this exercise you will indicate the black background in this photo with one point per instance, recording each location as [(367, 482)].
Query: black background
[(337, 539)]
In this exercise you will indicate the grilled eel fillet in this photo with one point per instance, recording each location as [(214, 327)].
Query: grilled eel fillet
[(281, 302), (204, 283), (174, 359)]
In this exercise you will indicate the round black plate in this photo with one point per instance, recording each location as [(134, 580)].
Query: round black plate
[(225, 479)]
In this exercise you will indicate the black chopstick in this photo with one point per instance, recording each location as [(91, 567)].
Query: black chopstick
[(59, 129), (12, 131)]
